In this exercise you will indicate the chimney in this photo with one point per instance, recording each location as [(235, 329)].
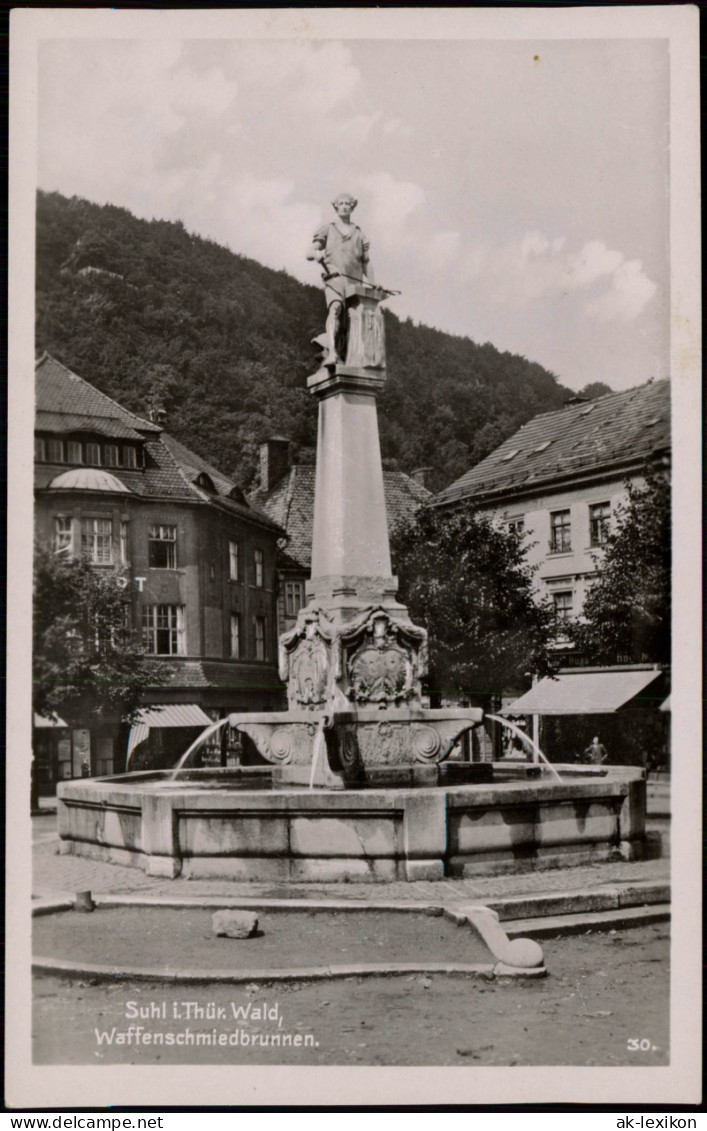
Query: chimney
[(156, 411), (274, 461), (420, 475)]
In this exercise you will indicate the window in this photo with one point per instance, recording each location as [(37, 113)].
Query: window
[(93, 454), (97, 540), (162, 547), (261, 652), (129, 456), (163, 629), (74, 451), (40, 449), (63, 534), (110, 455), (599, 515), (55, 451), (235, 636), (234, 570), (258, 562), (294, 597), (517, 526), (560, 532), (563, 601), (123, 542)]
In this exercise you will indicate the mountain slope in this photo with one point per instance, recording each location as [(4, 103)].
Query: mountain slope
[(141, 307)]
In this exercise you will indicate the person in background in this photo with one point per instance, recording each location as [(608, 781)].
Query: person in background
[(595, 753)]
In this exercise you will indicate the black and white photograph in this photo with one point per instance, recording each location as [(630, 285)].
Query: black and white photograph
[(354, 641)]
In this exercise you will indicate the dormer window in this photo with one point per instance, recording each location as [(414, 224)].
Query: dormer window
[(509, 455), (206, 482), (129, 456), (543, 446), (93, 454)]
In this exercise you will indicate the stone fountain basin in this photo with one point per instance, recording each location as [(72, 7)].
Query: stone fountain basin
[(204, 830)]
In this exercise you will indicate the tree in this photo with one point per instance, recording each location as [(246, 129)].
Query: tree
[(468, 583), (627, 612), (86, 662)]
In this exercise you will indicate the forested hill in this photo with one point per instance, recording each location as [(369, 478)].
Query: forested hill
[(142, 307)]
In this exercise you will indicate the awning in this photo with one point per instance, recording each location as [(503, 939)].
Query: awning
[(40, 721), (169, 715), (582, 693)]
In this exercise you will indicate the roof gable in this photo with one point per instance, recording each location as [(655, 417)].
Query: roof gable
[(59, 391)]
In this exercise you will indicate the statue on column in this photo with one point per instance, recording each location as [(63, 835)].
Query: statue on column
[(354, 326)]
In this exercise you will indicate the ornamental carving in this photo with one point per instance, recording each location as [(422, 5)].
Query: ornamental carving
[(384, 658), (309, 673)]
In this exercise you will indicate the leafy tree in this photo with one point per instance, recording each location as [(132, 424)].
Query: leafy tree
[(627, 612), (468, 583), (87, 664), (594, 389)]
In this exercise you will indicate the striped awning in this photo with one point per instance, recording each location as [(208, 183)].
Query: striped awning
[(583, 693), (168, 715)]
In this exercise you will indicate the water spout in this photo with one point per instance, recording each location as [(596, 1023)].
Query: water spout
[(196, 744), (524, 738), (317, 749)]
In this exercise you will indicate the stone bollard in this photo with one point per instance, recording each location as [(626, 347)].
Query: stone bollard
[(235, 924), (84, 901)]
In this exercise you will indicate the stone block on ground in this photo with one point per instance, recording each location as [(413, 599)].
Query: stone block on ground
[(235, 924)]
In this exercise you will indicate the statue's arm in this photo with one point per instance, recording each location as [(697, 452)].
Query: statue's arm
[(317, 250)]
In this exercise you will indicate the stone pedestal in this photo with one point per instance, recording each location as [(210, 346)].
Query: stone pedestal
[(354, 659)]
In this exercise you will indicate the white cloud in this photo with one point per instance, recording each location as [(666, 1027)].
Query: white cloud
[(390, 206), (630, 292), (539, 267), (321, 77)]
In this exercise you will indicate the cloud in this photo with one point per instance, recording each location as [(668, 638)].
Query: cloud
[(320, 76), (536, 267), (630, 292), (390, 206)]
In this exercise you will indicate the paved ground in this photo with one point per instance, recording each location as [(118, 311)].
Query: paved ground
[(54, 873)]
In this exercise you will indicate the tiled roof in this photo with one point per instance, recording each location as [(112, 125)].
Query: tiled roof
[(218, 673), (617, 429), (290, 503), (58, 390), (67, 423), (66, 403)]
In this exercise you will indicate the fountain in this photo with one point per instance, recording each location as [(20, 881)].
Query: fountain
[(361, 785)]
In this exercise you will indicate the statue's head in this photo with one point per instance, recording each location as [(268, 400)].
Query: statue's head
[(345, 201)]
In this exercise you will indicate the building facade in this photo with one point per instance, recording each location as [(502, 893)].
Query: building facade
[(197, 561), (560, 480), (561, 477)]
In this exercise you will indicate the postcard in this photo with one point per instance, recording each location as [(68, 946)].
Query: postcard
[(353, 703)]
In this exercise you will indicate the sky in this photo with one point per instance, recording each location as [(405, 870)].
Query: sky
[(513, 191)]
